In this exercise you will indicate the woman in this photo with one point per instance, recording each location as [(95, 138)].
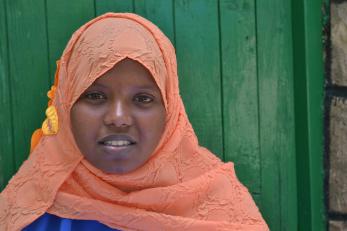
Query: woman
[(117, 151)]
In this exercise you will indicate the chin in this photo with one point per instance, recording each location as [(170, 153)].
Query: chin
[(117, 170)]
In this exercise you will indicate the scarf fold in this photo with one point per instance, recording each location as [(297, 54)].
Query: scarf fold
[(183, 186)]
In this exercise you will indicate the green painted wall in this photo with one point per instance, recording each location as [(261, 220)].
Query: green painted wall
[(238, 68)]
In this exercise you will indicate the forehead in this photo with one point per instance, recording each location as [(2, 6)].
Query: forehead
[(128, 72)]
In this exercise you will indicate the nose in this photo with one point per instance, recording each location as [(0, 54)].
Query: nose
[(118, 115)]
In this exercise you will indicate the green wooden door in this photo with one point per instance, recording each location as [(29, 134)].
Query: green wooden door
[(237, 79)]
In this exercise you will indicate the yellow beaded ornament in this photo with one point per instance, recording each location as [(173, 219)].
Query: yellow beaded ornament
[(50, 125)]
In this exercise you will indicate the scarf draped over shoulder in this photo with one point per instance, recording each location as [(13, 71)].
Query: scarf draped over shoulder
[(183, 186)]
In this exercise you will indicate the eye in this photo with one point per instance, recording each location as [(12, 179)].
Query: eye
[(94, 96), (143, 99)]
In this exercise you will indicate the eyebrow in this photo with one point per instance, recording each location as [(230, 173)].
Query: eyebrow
[(145, 87), (95, 84)]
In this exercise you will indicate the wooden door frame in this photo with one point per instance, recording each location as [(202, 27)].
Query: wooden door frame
[(308, 95)]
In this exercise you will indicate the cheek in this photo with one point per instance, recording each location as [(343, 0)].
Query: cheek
[(84, 124), (161, 123), (152, 126)]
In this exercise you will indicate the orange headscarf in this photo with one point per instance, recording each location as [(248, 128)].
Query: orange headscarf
[(183, 186)]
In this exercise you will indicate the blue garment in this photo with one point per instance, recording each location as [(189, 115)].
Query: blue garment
[(49, 222)]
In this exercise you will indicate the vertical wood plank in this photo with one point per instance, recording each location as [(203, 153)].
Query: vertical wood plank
[(158, 12), (103, 6), (302, 131), (276, 102), (309, 85), (28, 59), (315, 93), (6, 151), (240, 89), (61, 23), (197, 44)]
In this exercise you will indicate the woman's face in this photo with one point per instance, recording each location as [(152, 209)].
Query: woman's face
[(118, 121)]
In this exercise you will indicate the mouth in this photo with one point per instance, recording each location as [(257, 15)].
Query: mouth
[(114, 143), (117, 143)]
